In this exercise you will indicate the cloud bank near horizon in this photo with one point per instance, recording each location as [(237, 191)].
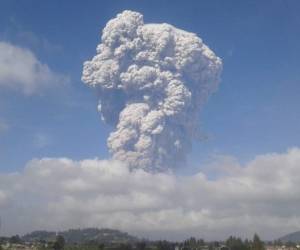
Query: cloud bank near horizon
[(152, 81), (59, 193)]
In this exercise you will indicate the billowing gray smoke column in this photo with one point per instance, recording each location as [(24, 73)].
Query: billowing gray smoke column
[(152, 80)]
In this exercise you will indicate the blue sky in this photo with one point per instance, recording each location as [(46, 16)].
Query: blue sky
[(255, 111)]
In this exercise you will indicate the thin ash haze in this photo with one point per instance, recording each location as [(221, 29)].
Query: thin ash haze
[(152, 80)]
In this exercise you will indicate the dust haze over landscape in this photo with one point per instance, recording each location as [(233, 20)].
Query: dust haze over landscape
[(152, 82)]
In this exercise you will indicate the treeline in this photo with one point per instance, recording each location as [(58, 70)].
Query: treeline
[(232, 243), (122, 241), (80, 236), (235, 243)]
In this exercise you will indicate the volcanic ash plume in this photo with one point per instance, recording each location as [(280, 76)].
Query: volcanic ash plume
[(152, 80)]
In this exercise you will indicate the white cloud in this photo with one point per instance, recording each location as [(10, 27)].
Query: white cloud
[(21, 70), (262, 197)]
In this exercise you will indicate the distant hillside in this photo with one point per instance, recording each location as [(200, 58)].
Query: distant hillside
[(82, 236), (293, 237), (39, 236)]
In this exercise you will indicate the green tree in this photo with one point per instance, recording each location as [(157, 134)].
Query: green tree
[(141, 245), (101, 246), (164, 245), (277, 243), (200, 242), (247, 244), (15, 239), (124, 246), (236, 243), (59, 244), (257, 243), (213, 245), (190, 243)]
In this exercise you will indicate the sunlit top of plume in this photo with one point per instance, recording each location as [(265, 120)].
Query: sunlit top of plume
[(152, 81)]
